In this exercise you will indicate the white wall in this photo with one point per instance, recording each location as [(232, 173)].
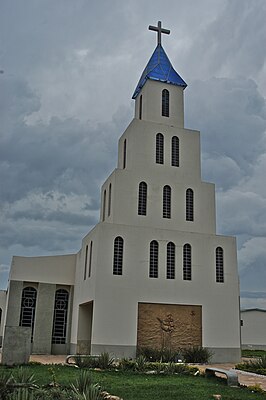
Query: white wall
[(116, 297), (253, 331), (152, 103), (3, 296), (48, 269)]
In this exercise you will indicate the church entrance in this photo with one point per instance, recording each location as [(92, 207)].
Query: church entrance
[(169, 326), (84, 328)]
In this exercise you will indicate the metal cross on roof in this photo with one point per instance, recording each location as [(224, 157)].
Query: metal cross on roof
[(159, 31)]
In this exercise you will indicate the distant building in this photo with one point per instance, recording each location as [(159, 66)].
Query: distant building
[(153, 272), (253, 329)]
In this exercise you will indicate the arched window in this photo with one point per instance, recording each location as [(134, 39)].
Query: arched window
[(27, 309), (189, 205), (170, 261), (166, 202), (0, 316), (219, 265), (140, 107), (90, 260), (159, 148), (118, 256), (154, 253), (109, 199), (142, 204), (187, 262), (175, 151), (104, 204), (60, 316), (165, 103), (125, 154), (86, 262)]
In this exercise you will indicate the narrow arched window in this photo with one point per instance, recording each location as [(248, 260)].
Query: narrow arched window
[(27, 309), (0, 316), (142, 204), (175, 151), (90, 259), (165, 103), (170, 261), (140, 107), (189, 205), (109, 199), (104, 204), (219, 265), (118, 256), (86, 262), (166, 202), (125, 154), (154, 253), (159, 148), (60, 316), (187, 262)]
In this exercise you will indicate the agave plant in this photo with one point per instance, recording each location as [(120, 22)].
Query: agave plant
[(93, 392), (140, 363), (6, 380), (105, 361), (21, 394), (82, 382), (24, 376)]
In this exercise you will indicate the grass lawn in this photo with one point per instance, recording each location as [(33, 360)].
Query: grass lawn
[(132, 386)]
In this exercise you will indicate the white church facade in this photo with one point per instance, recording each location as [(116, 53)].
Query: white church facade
[(153, 272)]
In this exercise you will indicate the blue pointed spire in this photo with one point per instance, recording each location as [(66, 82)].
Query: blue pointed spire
[(159, 68)]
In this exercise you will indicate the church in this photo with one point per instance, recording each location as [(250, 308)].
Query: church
[(153, 272)]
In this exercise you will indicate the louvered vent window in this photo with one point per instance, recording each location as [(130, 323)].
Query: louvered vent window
[(154, 250), (219, 265), (118, 256), (187, 262)]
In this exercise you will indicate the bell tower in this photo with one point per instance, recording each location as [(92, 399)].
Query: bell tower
[(159, 92)]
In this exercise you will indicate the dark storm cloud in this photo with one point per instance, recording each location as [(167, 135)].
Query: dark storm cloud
[(69, 71), (66, 155), (232, 118), (232, 44)]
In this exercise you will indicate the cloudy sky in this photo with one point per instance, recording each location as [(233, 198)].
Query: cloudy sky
[(68, 70)]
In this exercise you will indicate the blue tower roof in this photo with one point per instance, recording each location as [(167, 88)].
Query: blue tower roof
[(159, 68)]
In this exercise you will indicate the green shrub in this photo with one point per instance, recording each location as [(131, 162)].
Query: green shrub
[(21, 394), (6, 379), (105, 361), (257, 366), (23, 375), (140, 363), (86, 361), (170, 368), (127, 364), (253, 353), (196, 354), (93, 392), (82, 382), (163, 355)]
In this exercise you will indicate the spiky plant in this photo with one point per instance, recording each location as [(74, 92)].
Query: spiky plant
[(82, 382), (22, 375), (93, 392), (6, 380), (21, 394), (105, 361), (140, 363)]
